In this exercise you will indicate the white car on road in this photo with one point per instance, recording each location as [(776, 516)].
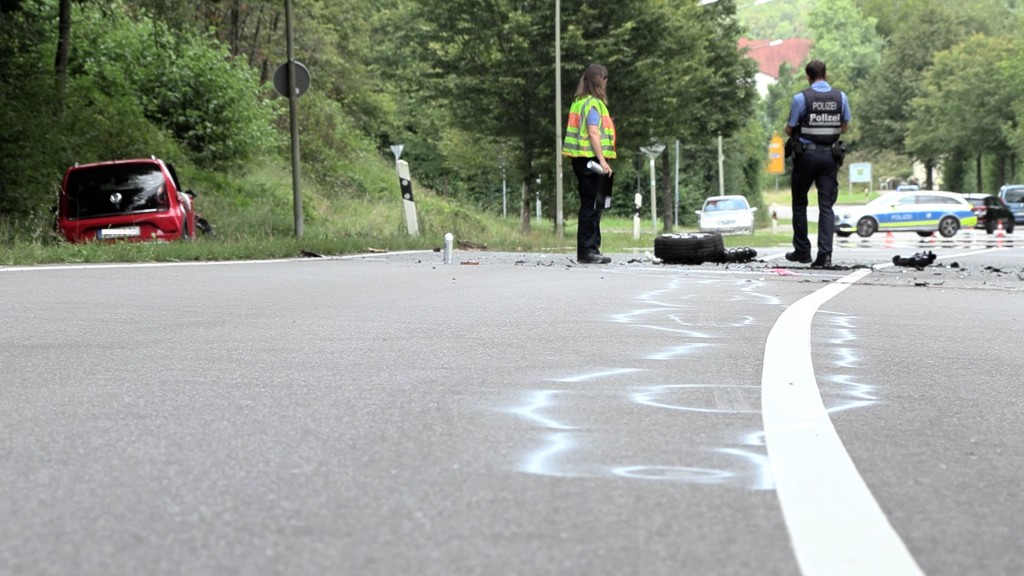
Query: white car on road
[(726, 215)]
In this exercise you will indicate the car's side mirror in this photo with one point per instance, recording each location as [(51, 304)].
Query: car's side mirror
[(698, 212), (754, 209), (190, 193)]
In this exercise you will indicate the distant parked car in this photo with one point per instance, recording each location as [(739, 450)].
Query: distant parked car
[(924, 212), (908, 188), (991, 211), (1013, 196), (136, 200), (726, 215)]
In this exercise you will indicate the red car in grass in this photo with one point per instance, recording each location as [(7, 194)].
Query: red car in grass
[(134, 200)]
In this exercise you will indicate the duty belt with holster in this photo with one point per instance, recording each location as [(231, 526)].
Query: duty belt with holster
[(795, 148)]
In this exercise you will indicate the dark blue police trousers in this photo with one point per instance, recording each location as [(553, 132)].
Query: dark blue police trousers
[(814, 166)]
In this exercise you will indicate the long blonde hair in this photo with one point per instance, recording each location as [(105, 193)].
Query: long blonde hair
[(592, 83)]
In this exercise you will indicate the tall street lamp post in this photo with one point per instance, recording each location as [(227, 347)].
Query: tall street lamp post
[(559, 222), (721, 167)]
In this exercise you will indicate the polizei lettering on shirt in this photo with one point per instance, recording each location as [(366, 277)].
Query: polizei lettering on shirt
[(822, 118), (829, 119)]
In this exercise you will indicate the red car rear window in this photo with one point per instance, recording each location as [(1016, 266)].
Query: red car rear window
[(115, 189)]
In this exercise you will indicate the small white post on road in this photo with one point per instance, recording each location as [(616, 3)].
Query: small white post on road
[(449, 240), (652, 152)]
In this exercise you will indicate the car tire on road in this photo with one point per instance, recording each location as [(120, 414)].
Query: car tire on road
[(949, 226), (689, 248), (866, 227)]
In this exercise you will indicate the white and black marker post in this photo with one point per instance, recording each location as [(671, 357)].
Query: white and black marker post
[(405, 182), (638, 202)]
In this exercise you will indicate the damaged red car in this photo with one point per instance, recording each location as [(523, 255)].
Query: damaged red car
[(136, 200)]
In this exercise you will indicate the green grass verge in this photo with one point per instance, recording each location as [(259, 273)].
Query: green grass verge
[(253, 216)]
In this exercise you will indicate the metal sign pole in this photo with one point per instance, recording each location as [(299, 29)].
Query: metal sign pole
[(559, 209), (676, 217), (652, 152), (293, 116)]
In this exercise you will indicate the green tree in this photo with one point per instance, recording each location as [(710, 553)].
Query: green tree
[(884, 111), (189, 87), (28, 125), (494, 66), (950, 113), (988, 16), (846, 41), (777, 19), (675, 72)]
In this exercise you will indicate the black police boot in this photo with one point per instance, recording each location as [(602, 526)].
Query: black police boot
[(801, 258), (595, 258), (822, 261)]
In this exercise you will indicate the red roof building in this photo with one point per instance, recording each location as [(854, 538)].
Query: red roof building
[(772, 54)]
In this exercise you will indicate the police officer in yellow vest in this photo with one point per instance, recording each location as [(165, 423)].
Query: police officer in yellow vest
[(590, 137)]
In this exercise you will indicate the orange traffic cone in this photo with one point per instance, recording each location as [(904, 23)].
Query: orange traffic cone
[(1000, 233), (888, 239)]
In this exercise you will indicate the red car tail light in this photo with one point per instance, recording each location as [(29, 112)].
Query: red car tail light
[(162, 201)]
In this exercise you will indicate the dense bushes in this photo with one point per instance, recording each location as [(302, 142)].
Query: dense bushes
[(185, 85), (134, 88)]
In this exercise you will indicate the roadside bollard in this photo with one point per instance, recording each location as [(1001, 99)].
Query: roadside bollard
[(449, 239), (638, 201)]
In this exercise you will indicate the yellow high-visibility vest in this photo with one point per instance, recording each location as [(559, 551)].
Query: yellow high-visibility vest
[(577, 139)]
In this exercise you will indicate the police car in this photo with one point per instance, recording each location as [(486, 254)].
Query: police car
[(923, 211)]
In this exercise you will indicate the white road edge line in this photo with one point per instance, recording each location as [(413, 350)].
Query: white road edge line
[(835, 525), (100, 266)]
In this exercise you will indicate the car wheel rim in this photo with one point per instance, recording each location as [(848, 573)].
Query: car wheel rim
[(948, 228)]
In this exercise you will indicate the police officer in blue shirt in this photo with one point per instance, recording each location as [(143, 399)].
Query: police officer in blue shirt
[(818, 116)]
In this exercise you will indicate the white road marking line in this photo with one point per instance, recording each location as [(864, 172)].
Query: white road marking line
[(52, 267), (835, 525)]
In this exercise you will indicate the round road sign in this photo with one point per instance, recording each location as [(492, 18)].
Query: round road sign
[(301, 79)]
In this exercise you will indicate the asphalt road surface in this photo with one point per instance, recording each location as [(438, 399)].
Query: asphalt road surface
[(516, 414)]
